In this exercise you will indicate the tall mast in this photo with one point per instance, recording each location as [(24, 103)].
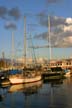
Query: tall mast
[(33, 54), (25, 41), (49, 37), (12, 48)]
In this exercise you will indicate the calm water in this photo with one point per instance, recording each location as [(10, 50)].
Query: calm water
[(56, 94)]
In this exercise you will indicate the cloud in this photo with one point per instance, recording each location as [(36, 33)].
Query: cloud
[(69, 20), (42, 36), (68, 39), (68, 28), (15, 13), (54, 20), (61, 31), (65, 42), (10, 25), (53, 1), (3, 12)]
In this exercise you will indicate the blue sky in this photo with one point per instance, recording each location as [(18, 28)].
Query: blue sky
[(12, 19)]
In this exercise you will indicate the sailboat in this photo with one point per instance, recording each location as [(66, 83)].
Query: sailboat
[(52, 73), (28, 75)]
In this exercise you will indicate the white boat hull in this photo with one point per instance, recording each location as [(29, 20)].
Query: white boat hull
[(68, 74), (17, 80), (22, 87)]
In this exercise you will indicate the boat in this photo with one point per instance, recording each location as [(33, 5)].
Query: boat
[(53, 73), (27, 75), (67, 73), (4, 81), (25, 87)]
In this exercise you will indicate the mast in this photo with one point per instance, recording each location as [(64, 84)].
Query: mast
[(12, 48), (25, 41), (49, 37), (33, 55)]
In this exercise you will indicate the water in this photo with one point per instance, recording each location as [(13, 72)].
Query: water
[(53, 94)]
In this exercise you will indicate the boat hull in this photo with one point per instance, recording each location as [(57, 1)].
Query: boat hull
[(24, 87), (68, 74), (24, 80)]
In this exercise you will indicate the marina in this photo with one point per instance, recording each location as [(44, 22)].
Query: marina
[(35, 54), (40, 94), (29, 75)]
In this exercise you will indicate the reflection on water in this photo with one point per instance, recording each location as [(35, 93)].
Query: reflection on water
[(28, 88), (3, 94), (53, 82), (48, 94)]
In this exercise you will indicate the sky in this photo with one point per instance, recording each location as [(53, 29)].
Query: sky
[(37, 12)]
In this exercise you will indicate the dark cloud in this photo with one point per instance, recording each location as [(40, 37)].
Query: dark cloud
[(53, 1), (38, 46), (42, 18), (58, 37), (15, 13), (61, 39), (3, 12), (54, 20), (10, 25), (42, 36)]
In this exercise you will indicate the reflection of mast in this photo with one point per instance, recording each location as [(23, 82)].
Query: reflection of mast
[(49, 37), (25, 40)]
